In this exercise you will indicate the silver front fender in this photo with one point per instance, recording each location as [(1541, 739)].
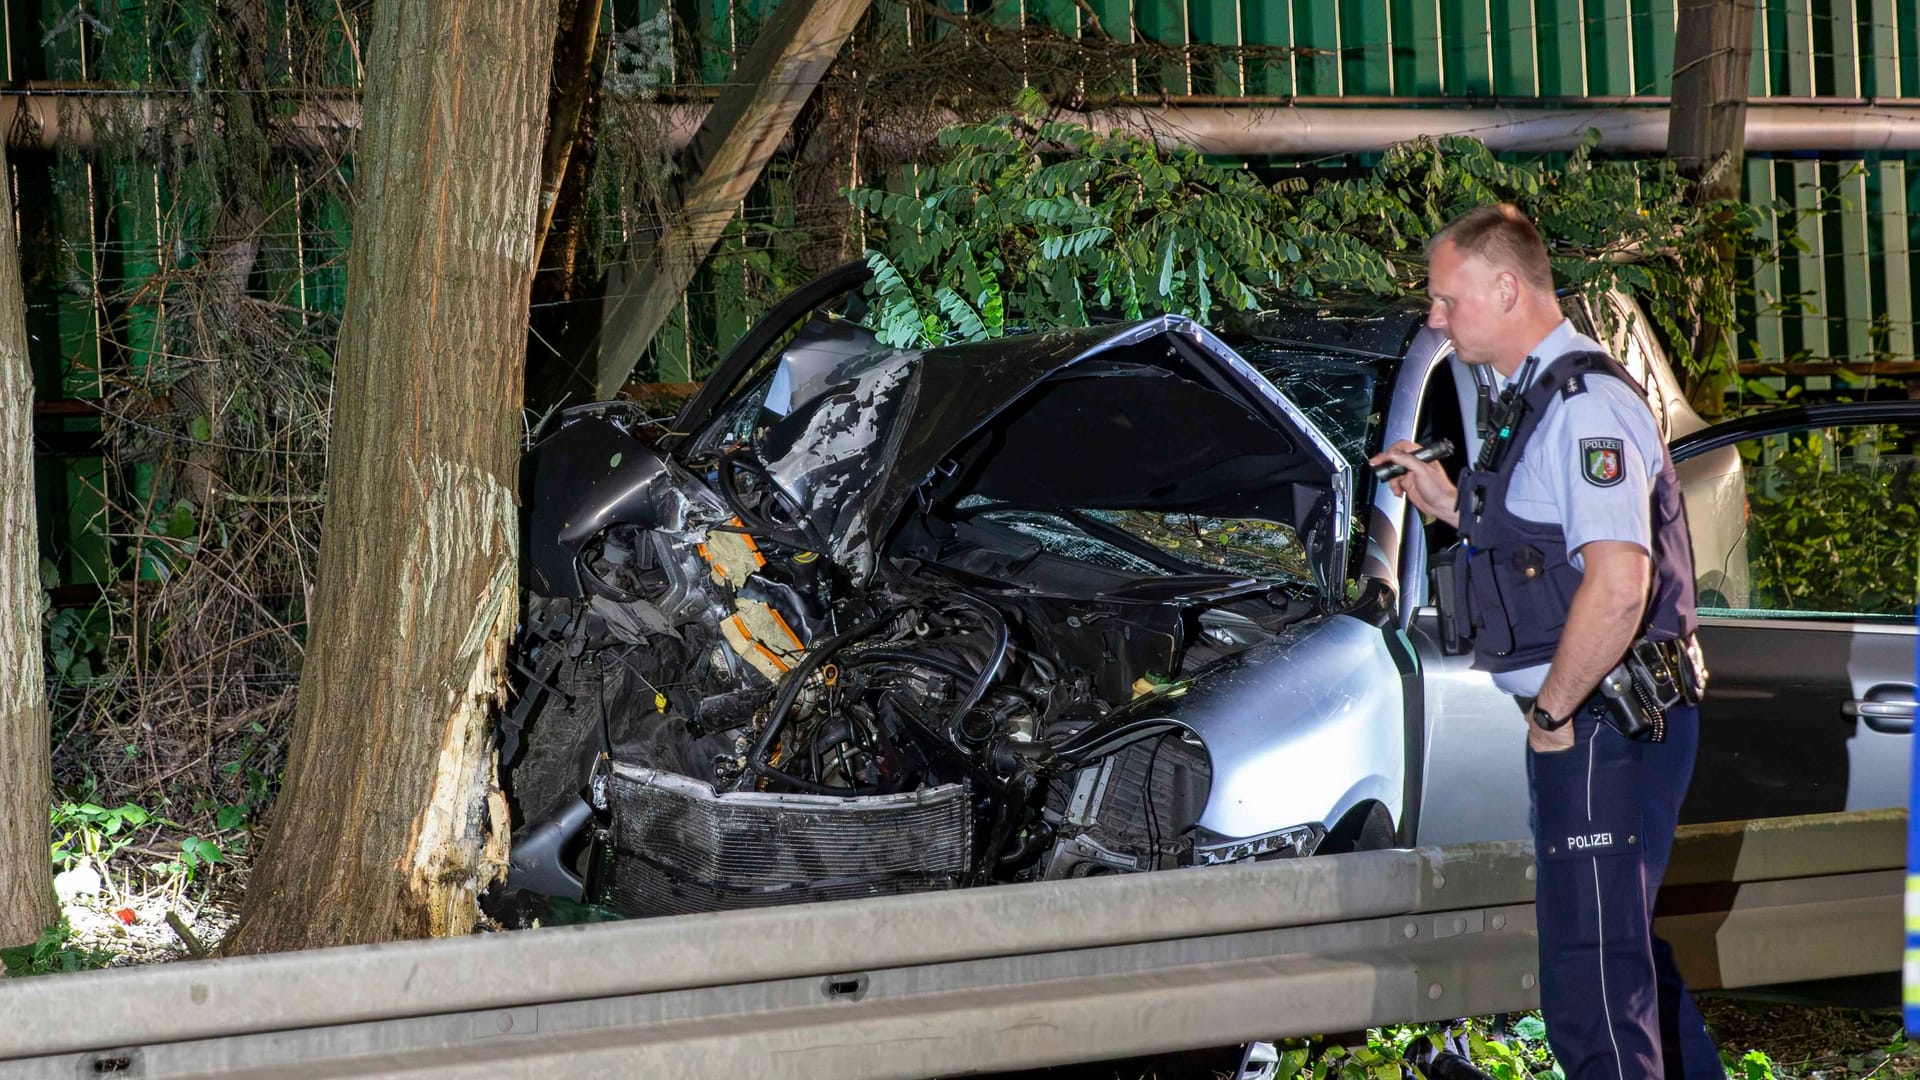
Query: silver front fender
[(1299, 729)]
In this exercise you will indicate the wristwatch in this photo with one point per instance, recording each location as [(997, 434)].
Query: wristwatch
[(1545, 720)]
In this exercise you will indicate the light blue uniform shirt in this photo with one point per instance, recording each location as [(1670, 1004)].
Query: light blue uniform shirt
[(1589, 467)]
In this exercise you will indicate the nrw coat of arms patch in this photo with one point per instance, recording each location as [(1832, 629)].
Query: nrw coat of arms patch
[(1600, 461)]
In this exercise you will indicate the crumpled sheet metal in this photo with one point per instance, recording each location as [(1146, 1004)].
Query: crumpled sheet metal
[(878, 424)]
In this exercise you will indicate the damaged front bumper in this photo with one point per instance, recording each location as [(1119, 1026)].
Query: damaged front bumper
[(680, 847)]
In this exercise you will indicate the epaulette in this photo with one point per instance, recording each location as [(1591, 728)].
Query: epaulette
[(1574, 384)]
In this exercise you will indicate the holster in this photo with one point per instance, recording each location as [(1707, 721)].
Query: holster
[(1617, 701), (1446, 582), (1653, 677)]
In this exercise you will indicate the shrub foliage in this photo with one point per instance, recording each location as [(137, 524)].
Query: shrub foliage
[(1029, 222)]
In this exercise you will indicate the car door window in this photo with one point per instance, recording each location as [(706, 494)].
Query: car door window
[(1817, 522)]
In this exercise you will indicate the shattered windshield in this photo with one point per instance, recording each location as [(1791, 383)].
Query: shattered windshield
[(1247, 547), (1343, 394), (1063, 537), (1258, 549)]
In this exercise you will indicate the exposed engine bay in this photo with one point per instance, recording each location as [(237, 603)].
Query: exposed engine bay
[(854, 639)]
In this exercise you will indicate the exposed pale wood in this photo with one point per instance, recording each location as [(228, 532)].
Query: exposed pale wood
[(733, 145), (389, 820), (26, 885)]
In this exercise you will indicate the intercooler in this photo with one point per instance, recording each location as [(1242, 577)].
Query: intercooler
[(679, 847)]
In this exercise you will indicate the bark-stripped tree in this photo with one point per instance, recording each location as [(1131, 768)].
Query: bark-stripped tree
[(26, 886), (389, 821)]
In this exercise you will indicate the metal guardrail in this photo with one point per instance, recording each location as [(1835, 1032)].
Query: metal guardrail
[(945, 983)]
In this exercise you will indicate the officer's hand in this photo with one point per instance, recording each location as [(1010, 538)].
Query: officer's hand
[(1549, 742), (1425, 482)]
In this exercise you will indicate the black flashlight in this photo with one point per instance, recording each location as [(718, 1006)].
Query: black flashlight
[(1433, 451)]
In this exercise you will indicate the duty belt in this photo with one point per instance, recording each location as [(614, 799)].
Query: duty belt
[(1653, 677)]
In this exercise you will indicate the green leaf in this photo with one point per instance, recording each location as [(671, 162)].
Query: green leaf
[(202, 429), (1530, 1026), (195, 850), (886, 278), (54, 951), (181, 523), (961, 314), (229, 817)]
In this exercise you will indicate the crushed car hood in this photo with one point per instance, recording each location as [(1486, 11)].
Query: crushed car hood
[(855, 434)]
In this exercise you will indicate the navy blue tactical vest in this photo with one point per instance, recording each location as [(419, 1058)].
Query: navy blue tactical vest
[(1516, 575)]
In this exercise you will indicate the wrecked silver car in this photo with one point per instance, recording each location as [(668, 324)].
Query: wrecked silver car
[(863, 620), (889, 620)]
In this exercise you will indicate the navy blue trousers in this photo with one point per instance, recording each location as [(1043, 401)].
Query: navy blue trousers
[(1603, 819)]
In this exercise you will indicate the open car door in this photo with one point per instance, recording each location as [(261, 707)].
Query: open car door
[(1807, 589)]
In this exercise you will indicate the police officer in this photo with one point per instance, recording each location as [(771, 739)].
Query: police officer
[(1574, 547)]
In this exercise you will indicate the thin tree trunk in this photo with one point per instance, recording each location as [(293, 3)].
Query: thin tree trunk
[(822, 169), (1706, 138), (575, 77), (563, 323), (389, 821), (26, 780)]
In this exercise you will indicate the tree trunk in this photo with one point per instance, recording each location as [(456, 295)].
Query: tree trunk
[(739, 136), (226, 314), (26, 770), (1707, 139), (822, 169), (1707, 122), (575, 76), (565, 319), (389, 820)]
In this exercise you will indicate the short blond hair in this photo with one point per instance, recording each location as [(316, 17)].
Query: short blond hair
[(1503, 236)]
